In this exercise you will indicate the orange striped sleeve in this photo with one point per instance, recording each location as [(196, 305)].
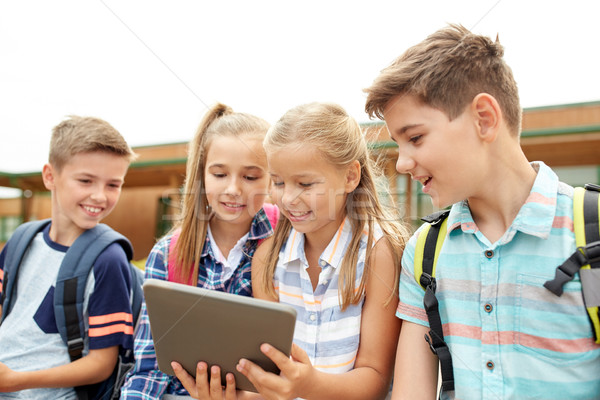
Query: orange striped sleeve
[(111, 318), (336, 365), (109, 330)]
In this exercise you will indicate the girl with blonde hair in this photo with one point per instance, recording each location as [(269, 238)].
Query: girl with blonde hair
[(335, 257)]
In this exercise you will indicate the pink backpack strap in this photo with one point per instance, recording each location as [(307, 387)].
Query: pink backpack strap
[(272, 212), (173, 277)]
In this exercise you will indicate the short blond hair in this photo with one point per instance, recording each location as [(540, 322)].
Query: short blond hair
[(77, 134), (446, 71)]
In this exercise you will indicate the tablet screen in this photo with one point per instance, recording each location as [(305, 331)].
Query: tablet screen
[(191, 324)]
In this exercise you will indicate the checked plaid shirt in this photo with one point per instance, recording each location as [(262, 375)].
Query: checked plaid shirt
[(145, 381)]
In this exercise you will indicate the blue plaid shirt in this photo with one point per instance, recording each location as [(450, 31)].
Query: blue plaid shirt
[(146, 381)]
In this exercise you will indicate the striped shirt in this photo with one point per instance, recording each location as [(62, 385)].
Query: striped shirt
[(329, 335), (510, 338), (146, 381)]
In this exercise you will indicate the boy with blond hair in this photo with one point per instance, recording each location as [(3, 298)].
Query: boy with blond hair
[(87, 164), (452, 106)]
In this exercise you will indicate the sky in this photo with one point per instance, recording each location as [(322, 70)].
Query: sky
[(151, 68)]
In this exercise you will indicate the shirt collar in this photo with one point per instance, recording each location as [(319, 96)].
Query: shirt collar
[(260, 228), (535, 216), (235, 254), (333, 253)]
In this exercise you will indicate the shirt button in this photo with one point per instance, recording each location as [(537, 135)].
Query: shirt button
[(489, 365), (488, 307), (312, 317), (489, 253)]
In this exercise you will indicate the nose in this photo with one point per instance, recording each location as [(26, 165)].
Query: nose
[(233, 187), (98, 195), (405, 163), (290, 195)]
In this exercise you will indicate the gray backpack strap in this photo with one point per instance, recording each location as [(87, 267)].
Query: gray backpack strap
[(71, 281)]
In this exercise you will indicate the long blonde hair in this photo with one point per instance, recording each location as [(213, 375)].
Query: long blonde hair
[(220, 120), (340, 140)]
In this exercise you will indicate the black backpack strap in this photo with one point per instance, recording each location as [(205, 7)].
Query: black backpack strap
[(591, 203), (427, 280), (16, 247), (587, 236), (586, 258)]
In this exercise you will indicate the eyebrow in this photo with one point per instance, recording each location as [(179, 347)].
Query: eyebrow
[(246, 167), (90, 175), (297, 176), (407, 128)]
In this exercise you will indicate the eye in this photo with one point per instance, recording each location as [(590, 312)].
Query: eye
[(415, 139), (305, 185), (277, 184), (219, 175), (82, 180), (251, 178)]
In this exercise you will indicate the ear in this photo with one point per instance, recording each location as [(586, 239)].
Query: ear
[(48, 174), (353, 176), (488, 116)]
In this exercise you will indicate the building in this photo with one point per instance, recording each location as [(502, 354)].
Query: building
[(566, 137)]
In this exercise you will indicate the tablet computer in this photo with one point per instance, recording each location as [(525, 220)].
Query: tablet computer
[(191, 324)]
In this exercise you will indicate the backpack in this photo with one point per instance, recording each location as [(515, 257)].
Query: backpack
[(272, 213), (585, 260), (69, 294)]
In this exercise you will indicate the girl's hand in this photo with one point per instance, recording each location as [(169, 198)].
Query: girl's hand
[(201, 388), (293, 380)]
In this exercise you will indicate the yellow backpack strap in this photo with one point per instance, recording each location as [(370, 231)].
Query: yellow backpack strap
[(427, 250), (587, 236), (586, 258), (429, 244)]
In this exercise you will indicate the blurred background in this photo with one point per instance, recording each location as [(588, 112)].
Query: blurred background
[(151, 69)]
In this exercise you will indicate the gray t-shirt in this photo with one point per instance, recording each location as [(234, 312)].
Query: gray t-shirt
[(24, 346)]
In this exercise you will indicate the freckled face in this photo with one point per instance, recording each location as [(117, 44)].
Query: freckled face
[(235, 177)]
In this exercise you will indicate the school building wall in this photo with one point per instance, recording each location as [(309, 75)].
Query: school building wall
[(566, 137)]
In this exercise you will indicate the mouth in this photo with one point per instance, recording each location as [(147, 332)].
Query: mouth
[(92, 210), (234, 206), (298, 215), (425, 181)]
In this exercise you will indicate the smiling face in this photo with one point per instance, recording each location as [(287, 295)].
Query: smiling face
[(308, 190), (84, 192), (441, 154), (235, 178)]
